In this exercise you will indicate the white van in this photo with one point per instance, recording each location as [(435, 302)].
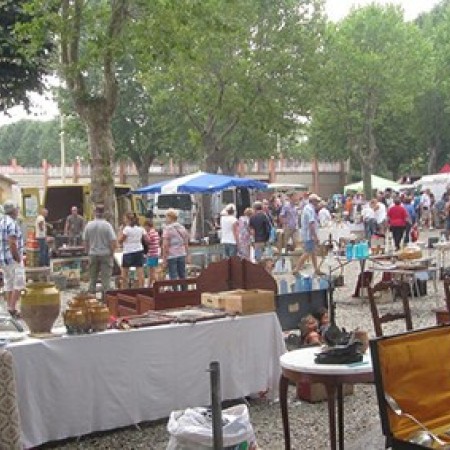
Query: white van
[(183, 204)]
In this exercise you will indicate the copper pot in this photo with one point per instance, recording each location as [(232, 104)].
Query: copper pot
[(99, 315)]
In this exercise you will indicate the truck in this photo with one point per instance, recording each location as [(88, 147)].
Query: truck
[(59, 198)]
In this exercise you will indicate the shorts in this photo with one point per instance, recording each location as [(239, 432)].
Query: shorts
[(309, 246), (135, 259), (152, 261), (13, 277)]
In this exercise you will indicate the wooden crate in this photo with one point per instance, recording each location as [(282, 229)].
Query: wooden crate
[(250, 301)]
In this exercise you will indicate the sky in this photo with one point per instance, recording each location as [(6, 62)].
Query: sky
[(45, 109)]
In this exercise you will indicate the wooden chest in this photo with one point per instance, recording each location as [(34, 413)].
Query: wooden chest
[(414, 369), (242, 301)]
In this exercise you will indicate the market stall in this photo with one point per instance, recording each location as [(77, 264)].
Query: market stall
[(75, 385)]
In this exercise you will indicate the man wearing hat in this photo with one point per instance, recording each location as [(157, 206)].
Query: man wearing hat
[(309, 233), (289, 219), (11, 255), (100, 242)]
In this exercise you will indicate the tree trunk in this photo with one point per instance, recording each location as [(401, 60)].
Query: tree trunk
[(366, 171), (432, 159), (101, 147), (143, 174)]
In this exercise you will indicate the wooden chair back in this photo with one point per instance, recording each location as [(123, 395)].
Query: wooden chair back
[(400, 287)]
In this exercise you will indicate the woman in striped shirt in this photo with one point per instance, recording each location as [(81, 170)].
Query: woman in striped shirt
[(152, 240)]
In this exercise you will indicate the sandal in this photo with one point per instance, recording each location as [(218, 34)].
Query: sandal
[(15, 314)]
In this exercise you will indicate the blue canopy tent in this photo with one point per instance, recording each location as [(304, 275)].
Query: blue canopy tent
[(200, 183)]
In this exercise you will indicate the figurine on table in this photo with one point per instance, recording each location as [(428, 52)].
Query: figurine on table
[(309, 331), (323, 320)]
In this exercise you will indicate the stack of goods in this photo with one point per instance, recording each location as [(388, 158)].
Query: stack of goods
[(241, 301), (182, 315), (32, 250), (84, 314), (409, 253)]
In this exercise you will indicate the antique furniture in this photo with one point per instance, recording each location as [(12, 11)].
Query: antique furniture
[(299, 365), (163, 295), (399, 288), (413, 368)]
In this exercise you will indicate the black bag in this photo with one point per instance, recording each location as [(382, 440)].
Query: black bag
[(346, 354)]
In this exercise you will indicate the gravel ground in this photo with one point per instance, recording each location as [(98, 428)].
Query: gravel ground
[(309, 422)]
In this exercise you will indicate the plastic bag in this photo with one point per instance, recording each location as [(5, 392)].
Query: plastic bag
[(192, 429)]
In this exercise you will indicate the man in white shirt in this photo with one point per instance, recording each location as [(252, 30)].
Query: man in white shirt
[(380, 216), (41, 237), (229, 231), (324, 215), (369, 220), (425, 209)]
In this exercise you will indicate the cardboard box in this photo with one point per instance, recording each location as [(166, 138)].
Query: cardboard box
[(249, 301), (316, 392), (412, 367)]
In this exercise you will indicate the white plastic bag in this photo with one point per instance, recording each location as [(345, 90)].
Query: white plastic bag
[(192, 429)]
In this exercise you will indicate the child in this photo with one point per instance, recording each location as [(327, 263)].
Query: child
[(323, 319), (309, 334), (152, 256)]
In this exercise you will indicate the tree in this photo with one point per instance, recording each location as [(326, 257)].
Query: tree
[(30, 141), (148, 123), (23, 66), (375, 66), (242, 74), (90, 36)]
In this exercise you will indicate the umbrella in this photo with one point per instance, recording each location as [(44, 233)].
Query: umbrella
[(200, 182)]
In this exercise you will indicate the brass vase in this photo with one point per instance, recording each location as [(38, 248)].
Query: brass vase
[(40, 306)]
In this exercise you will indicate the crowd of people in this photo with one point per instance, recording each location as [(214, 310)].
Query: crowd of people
[(281, 223), (142, 247), (403, 214)]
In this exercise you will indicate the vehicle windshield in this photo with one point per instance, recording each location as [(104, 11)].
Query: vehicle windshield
[(176, 201)]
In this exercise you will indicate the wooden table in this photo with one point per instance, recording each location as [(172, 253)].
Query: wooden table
[(299, 365)]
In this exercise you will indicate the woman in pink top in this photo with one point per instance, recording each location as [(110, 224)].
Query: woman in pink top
[(152, 256), (175, 246)]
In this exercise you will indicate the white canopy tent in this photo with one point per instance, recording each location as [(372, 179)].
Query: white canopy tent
[(378, 183), (437, 183)]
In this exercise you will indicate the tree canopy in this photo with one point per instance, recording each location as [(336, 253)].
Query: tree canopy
[(23, 66)]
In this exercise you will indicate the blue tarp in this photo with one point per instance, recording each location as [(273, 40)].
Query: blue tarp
[(200, 182)]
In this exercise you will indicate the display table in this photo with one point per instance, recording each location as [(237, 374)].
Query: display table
[(71, 386), (299, 365)]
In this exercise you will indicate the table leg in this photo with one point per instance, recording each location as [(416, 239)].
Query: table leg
[(340, 405), (283, 388), (331, 394)]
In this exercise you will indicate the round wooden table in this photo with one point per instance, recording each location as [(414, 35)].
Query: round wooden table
[(299, 365)]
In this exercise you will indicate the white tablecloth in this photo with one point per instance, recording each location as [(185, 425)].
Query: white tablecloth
[(71, 386)]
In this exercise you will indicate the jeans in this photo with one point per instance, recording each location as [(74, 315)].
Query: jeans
[(229, 250), (44, 259), (177, 267), (407, 233), (259, 250), (103, 265), (370, 228)]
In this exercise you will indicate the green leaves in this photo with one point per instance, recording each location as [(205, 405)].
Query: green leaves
[(375, 66)]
